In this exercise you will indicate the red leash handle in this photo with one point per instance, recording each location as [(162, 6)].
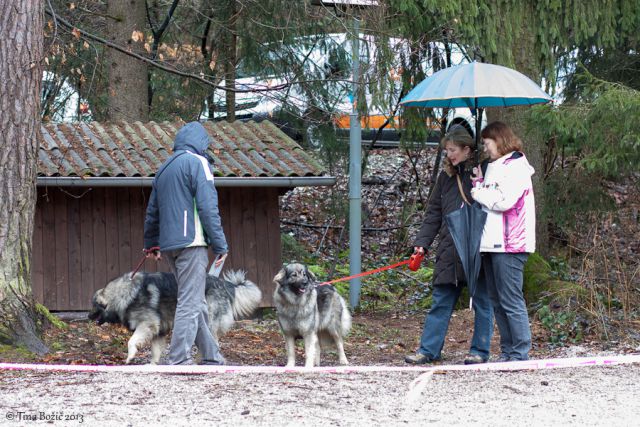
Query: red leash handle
[(415, 260)]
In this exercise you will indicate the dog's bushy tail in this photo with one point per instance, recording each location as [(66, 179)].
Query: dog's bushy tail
[(247, 294)]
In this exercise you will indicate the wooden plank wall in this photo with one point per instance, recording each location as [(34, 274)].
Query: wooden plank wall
[(84, 237)]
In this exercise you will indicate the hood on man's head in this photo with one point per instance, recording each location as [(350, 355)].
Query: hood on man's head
[(193, 137)]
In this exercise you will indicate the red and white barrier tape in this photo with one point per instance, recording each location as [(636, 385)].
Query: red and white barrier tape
[(524, 365)]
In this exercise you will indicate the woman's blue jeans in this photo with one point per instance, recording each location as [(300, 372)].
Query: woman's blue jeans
[(444, 298), (504, 276)]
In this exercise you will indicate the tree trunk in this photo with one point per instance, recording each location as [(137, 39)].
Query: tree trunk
[(128, 94), (21, 51)]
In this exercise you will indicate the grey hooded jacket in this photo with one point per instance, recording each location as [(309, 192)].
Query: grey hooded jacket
[(183, 208)]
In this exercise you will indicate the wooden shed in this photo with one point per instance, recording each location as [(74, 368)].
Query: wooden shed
[(94, 181)]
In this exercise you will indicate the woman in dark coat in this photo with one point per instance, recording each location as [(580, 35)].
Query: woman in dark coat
[(448, 277)]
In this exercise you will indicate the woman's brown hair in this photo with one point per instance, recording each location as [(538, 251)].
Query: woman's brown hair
[(506, 140)]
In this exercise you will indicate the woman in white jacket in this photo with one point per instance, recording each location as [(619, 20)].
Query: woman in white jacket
[(506, 194)]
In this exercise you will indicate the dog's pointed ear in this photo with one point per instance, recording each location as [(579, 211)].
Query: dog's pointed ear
[(310, 274), (278, 278)]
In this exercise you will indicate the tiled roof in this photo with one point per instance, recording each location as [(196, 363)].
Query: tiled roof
[(240, 149)]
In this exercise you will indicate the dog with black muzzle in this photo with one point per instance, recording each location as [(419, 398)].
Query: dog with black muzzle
[(317, 314)]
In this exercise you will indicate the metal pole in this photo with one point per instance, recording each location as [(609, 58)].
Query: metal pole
[(355, 156)]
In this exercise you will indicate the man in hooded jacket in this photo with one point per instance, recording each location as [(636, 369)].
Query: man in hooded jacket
[(183, 220)]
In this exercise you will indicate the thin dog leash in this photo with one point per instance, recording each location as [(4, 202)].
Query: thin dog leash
[(414, 264)]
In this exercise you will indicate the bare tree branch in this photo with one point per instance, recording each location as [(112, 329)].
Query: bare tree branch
[(200, 78), (157, 34)]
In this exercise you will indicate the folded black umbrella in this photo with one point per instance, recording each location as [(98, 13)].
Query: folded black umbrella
[(465, 226)]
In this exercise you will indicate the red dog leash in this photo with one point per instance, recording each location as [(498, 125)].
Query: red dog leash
[(146, 252), (414, 264)]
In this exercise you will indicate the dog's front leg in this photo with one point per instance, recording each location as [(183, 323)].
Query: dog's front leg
[(290, 344), (310, 344)]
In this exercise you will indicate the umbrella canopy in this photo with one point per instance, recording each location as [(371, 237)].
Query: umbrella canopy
[(465, 226), (475, 85)]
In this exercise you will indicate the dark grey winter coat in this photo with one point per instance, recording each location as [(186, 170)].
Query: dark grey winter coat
[(445, 198), (183, 207)]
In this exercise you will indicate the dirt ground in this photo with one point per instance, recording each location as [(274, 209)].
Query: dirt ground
[(375, 339)]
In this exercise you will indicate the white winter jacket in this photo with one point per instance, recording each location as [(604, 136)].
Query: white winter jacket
[(506, 194)]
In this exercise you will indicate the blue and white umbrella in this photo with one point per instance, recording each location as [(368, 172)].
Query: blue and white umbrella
[(475, 85)]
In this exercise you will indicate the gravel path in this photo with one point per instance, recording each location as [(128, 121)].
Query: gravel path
[(569, 396)]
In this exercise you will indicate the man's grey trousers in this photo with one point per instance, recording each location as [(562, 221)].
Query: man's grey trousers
[(191, 324)]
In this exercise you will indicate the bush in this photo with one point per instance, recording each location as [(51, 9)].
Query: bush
[(562, 325)]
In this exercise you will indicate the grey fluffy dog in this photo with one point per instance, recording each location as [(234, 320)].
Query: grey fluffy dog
[(318, 314), (146, 305)]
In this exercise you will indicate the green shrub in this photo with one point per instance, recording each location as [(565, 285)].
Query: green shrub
[(562, 325)]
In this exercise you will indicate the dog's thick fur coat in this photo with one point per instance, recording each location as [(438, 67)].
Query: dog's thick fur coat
[(318, 314)]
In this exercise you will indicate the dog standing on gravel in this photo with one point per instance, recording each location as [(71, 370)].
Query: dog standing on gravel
[(318, 314), (146, 305)]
